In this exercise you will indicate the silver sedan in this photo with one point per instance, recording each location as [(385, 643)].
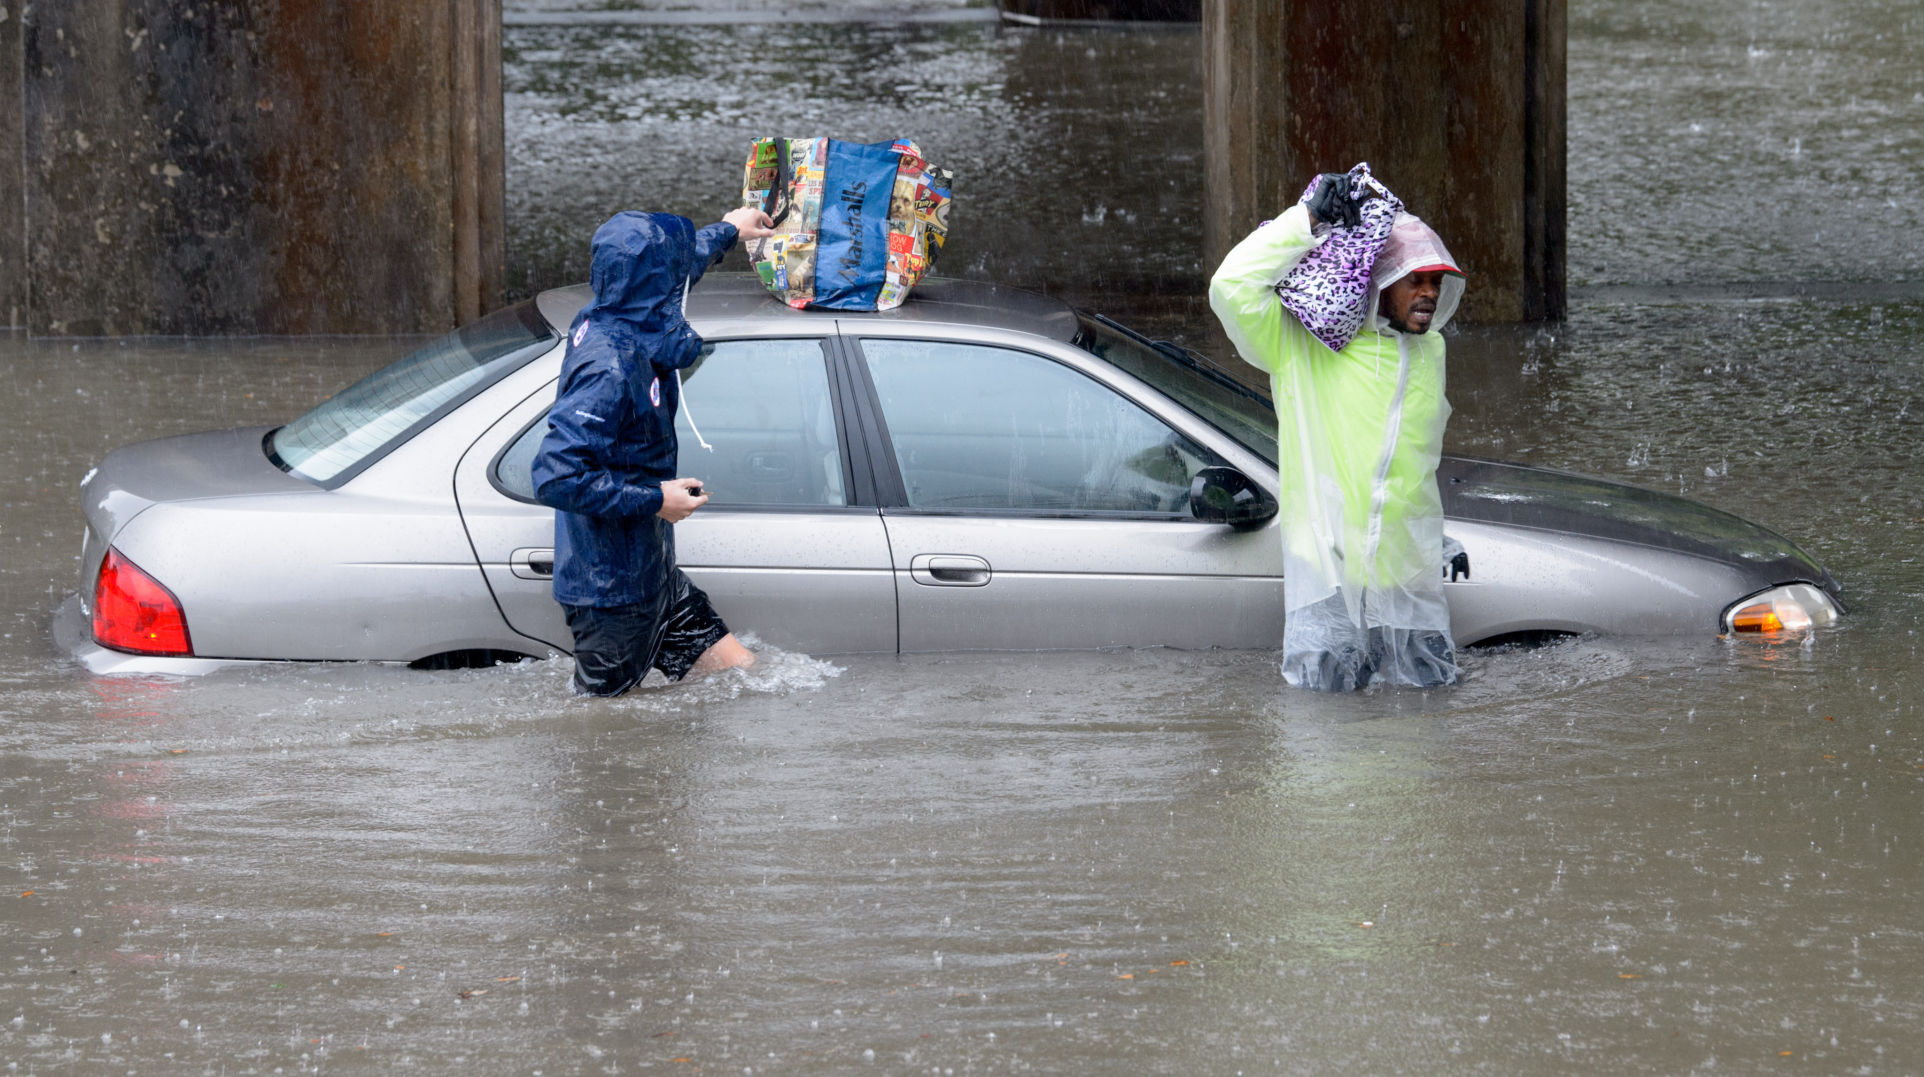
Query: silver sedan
[(981, 469)]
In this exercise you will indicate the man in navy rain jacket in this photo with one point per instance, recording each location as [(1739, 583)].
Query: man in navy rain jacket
[(607, 464)]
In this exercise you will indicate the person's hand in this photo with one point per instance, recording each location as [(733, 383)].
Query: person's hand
[(1331, 201), (680, 498), (750, 222)]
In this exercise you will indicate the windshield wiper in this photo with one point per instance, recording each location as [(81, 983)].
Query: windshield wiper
[(1189, 359), (1204, 365)]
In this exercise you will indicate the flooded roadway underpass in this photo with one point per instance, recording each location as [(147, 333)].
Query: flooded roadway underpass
[(1613, 854)]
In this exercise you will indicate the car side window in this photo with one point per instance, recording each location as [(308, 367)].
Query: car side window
[(978, 427), (764, 407)]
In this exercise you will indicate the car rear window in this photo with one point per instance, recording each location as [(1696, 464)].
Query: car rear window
[(363, 422)]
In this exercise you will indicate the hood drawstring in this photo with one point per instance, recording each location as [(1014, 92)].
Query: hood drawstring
[(686, 414), (680, 393)]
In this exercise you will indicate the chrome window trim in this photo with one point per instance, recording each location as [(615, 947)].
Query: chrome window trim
[(829, 366)]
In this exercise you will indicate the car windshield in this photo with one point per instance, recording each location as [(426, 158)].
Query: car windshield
[(1187, 377), (363, 422)]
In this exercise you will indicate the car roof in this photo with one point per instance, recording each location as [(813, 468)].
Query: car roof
[(741, 297)]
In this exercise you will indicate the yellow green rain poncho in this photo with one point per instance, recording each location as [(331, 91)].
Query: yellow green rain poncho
[(1360, 433)]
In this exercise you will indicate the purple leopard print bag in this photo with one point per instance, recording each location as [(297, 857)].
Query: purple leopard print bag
[(1329, 288)]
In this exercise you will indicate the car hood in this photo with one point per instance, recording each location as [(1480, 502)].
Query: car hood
[(222, 463), (1516, 495)]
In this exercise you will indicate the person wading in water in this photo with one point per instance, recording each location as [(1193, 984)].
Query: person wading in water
[(607, 463), (1360, 434)]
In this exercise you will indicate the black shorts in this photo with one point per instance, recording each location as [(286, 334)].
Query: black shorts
[(615, 645)]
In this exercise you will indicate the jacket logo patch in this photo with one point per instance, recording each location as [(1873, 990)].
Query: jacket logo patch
[(654, 392), (580, 331)]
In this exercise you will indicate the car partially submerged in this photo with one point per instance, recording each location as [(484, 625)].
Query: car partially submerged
[(983, 468)]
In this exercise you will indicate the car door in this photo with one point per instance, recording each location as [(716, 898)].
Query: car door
[(1034, 506), (782, 548)]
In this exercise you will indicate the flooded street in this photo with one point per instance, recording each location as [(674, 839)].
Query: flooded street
[(1612, 854)]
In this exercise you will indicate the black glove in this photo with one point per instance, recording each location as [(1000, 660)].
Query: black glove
[(1331, 203)]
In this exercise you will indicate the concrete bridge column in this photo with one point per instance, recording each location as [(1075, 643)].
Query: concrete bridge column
[(1458, 106), (13, 176), (250, 166)]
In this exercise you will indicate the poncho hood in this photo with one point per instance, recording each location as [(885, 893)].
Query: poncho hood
[(1414, 247), (640, 267), (639, 263)]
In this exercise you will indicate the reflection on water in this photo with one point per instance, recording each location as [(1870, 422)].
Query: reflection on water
[(1610, 854)]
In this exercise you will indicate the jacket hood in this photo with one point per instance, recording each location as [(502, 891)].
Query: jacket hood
[(1413, 246), (639, 266)]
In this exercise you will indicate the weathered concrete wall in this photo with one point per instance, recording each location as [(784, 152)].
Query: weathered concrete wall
[(13, 242), (261, 166), (1458, 106)]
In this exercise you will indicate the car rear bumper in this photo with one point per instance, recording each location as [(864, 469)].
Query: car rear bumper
[(74, 637)]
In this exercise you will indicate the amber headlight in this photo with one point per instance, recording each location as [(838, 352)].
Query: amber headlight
[(1794, 607)]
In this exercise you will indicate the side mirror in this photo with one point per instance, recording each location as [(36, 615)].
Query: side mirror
[(1223, 495)]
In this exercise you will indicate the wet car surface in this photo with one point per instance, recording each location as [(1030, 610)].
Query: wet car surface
[(982, 469)]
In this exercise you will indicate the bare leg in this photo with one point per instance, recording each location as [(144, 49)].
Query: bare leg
[(727, 653)]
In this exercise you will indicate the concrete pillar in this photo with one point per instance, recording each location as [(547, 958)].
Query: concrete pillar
[(259, 166), (1458, 106), (13, 176)]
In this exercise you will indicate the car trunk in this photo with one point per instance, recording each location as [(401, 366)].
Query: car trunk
[(222, 463)]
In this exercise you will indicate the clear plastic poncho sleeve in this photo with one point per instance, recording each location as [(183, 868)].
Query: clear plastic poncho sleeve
[(1360, 433)]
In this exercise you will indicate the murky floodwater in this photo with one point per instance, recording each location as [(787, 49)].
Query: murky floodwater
[(1612, 855)]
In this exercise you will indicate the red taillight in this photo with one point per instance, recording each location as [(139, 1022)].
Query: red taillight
[(133, 612)]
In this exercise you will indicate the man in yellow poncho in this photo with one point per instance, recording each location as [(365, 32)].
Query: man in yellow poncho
[(1360, 433)]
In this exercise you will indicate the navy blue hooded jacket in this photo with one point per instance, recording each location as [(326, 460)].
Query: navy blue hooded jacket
[(611, 433)]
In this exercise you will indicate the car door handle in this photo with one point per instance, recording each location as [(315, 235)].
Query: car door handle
[(949, 570), (530, 563), (772, 466)]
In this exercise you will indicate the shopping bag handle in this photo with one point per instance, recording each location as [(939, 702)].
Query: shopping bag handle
[(778, 191)]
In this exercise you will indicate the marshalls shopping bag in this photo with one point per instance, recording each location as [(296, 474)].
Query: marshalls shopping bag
[(856, 224)]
